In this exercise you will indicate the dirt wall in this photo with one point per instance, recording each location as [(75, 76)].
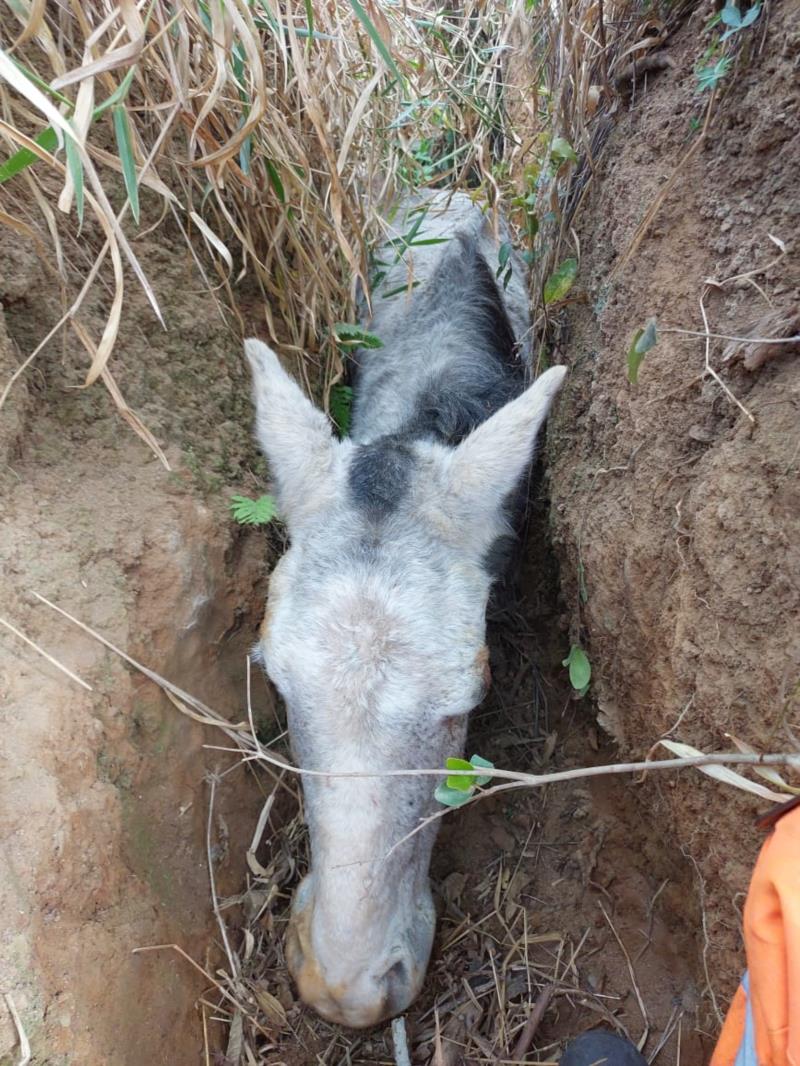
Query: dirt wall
[(676, 517), (103, 798)]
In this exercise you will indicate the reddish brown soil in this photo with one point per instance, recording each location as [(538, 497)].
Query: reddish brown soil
[(684, 515), (103, 803)]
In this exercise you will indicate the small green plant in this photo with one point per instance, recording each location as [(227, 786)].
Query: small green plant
[(735, 22), (643, 341), (709, 77), (504, 265), (527, 201), (249, 512), (350, 336), (340, 405), (458, 789), (561, 151), (560, 281), (580, 669)]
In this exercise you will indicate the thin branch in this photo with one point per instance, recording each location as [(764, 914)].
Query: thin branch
[(44, 654), (24, 1043), (242, 735), (232, 961), (729, 337), (709, 368)]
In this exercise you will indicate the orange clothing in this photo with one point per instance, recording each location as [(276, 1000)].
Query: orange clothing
[(763, 1022)]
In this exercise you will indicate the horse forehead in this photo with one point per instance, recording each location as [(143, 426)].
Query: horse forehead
[(365, 634)]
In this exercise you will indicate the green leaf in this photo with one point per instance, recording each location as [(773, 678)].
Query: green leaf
[(47, 139), (709, 77), (561, 151), (377, 40), (452, 797), (730, 15), (117, 96), (643, 341), (249, 512), (750, 16), (122, 130), (340, 404), (353, 336), (75, 168), (392, 292), (480, 763), (275, 180), (245, 154), (580, 669), (460, 782), (558, 284), (503, 256), (38, 81)]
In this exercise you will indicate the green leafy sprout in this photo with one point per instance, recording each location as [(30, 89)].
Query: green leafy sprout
[(580, 669), (249, 512), (709, 77), (340, 405), (504, 265), (643, 341), (350, 336), (735, 22), (560, 281), (458, 789), (561, 151)]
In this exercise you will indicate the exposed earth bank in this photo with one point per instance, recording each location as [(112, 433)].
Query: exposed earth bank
[(676, 514)]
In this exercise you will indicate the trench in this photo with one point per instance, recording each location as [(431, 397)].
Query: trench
[(578, 888), (572, 888)]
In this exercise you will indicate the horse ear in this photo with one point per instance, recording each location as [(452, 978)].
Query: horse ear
[(487, 466), (295, 436)]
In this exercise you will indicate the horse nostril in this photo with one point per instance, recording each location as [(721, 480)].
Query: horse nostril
[(396, 981)]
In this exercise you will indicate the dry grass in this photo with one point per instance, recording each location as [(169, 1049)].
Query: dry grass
[(276, 135)]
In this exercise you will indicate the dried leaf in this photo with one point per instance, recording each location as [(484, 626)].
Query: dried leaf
[(271, 1006), (722, 773)]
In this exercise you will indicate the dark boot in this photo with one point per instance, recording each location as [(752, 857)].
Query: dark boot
[(601, 1047)]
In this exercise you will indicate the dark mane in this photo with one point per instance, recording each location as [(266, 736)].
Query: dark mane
[(490, 372)]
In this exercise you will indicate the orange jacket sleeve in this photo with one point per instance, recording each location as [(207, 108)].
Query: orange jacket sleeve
[(771, 999)]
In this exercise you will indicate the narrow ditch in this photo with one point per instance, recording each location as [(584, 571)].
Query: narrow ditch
[(571, 888)]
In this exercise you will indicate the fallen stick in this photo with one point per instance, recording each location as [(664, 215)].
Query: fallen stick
[(400, 1042), (532, 1024)]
